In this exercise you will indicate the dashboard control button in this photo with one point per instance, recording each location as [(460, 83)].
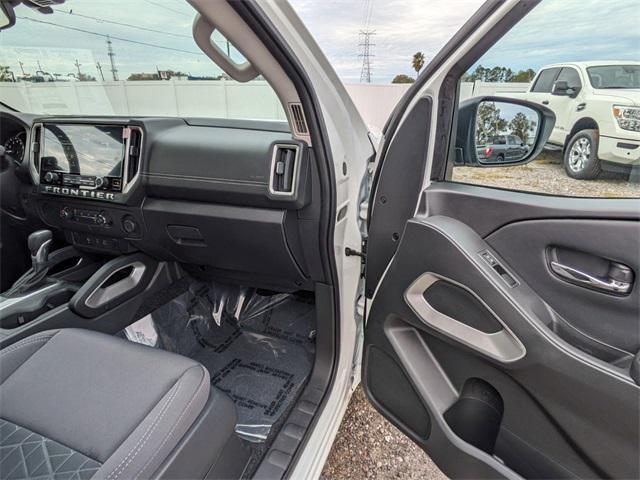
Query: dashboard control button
[(66, 213), (102, 219), (51, 177), (129, 225), (102, 182)]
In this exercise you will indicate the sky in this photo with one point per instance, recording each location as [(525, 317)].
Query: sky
[(556, 30)]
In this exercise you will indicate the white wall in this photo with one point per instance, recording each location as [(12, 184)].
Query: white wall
[(222, 99), (376, 102)]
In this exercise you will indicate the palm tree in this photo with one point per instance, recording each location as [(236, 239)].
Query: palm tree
[(417, 62)]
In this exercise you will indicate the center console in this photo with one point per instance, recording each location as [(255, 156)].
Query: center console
[(80, 290), (85, 174)]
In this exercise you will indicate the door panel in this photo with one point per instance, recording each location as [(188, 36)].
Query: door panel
[(609, 319), (558, 410)]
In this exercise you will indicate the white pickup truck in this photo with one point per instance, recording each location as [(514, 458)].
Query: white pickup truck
[(597, 108)]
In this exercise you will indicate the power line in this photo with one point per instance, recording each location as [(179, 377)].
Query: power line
[(121, 39), (103, 20), (155, 4), (113, 22)]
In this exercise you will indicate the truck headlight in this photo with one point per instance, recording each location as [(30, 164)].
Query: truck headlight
[(628, 117)]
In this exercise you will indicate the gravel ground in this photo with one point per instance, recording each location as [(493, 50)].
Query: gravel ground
[(546, 175), (369, 447)]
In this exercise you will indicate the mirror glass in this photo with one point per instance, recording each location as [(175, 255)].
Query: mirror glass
[(505, 132)]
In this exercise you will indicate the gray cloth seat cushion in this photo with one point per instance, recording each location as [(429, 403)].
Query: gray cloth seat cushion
[(108, 408)]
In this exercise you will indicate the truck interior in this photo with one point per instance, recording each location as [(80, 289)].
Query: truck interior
[(210, 239)]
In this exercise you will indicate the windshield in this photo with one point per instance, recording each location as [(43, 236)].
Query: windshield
[(615, 76), (122, 57)]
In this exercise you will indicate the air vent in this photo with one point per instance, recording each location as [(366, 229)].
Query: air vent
[(133, 154), (284, 169), (299, 122), (35, 146)]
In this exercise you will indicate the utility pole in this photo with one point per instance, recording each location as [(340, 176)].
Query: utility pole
[(111, 54), (22, 68), (366, 55), (39, 66), (99, 67), (78, 65)]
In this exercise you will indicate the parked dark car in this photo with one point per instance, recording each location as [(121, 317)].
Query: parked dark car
[(502, 148)]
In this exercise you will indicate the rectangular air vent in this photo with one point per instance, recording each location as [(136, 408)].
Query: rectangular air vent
[(284, 169), (35, 146), (299, 122), (133, 153)]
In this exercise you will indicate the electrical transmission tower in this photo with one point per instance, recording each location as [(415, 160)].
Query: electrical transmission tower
[(365, 44), (111, 54), (366, 55)]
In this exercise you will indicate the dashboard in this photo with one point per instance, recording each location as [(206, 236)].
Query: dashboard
[(237, 199)]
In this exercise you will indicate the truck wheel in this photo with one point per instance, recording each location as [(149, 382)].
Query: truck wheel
[(500, 158), (581, 156)]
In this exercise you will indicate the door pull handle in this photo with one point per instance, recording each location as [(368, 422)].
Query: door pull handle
[(603, 284)]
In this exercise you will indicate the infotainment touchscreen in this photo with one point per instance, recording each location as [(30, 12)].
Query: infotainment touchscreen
[(91, 150)]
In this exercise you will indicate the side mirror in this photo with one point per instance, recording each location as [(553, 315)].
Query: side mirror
[(7, 16), (562, 88), (483, 121)]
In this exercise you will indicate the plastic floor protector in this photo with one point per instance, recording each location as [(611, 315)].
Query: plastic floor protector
[(259, 349)]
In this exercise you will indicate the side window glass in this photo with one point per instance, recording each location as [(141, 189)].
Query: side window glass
[(545, 80), (554, 117)]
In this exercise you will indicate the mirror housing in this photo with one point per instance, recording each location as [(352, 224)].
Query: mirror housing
[(466, 148), (7, 15), (562, 88)]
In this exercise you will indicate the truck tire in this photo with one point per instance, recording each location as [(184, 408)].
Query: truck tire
[(581, 156)]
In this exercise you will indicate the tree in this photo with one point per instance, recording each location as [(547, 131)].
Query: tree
[(6, 75), (524, 76), (489, 122), (417, 62), (498, 74), (83, 77), (143, 76), (402, 78), (520, 127)]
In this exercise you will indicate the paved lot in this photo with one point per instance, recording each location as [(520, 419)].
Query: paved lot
[(369, 447)]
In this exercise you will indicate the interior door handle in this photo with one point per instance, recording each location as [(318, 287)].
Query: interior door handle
[(608, 285)]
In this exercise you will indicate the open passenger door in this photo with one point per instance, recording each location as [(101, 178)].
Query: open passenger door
[(492, 339)]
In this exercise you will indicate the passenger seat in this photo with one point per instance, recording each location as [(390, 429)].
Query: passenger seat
[(81, 404)]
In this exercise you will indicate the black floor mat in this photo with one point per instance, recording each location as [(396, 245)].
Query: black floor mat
[(261, 360)]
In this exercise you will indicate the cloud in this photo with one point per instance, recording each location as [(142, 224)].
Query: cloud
[(570, 30), (144, 37), (402, 27), (555, 31)]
